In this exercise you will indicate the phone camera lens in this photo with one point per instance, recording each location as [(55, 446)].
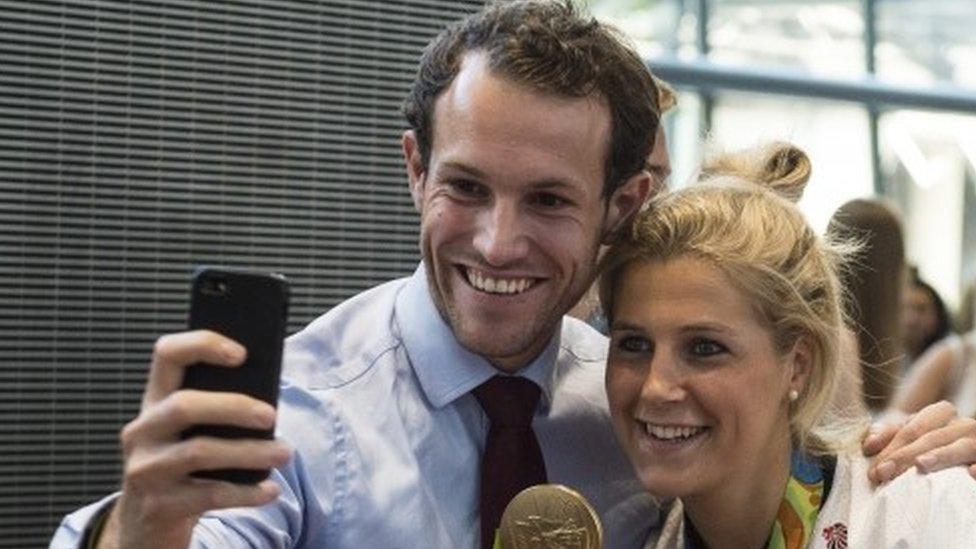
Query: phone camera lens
[(214, 287)]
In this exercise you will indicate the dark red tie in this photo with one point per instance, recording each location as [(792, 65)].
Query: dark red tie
[(512, 460)]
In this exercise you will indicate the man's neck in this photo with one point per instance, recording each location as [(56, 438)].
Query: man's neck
[(512, 364), (740, 513)]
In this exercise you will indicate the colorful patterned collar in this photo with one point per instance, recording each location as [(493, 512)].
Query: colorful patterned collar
[(806, 491)]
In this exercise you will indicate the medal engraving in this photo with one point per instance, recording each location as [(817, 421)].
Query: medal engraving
[(550, 516)]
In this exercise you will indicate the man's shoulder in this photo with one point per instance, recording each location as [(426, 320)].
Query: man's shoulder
[(581, 366), (350, 336), (582, 342)]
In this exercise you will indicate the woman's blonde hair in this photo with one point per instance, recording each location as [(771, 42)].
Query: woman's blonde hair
[(741, 217)]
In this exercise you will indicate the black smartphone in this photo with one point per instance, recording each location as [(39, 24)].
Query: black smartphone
[(252, 309)]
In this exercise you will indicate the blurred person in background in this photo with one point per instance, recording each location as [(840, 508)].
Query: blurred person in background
[(875, 282), (966, 312), (946, 371), (925, 318)]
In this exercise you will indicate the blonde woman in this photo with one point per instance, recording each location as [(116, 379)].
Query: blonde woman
[(725, 314)]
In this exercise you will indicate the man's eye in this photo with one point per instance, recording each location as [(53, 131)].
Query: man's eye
[(706, 348), (549, 200), (634, 344), (468, 188)]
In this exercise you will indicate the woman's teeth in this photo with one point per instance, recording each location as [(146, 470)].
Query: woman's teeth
[(665, 432)]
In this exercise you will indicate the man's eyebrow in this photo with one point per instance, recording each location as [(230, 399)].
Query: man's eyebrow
[(463, 168), (547, 184), (540, 185)]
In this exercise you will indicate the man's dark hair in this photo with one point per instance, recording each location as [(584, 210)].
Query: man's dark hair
[(550, 47)]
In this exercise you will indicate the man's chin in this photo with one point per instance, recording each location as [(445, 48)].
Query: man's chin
[(508, 352)]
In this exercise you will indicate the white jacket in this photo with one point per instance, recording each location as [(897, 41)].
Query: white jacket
[(933, 511)]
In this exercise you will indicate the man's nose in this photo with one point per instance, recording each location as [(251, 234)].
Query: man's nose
[(501, 237)]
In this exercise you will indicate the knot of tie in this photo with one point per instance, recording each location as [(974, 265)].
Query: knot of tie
[(508, 401)]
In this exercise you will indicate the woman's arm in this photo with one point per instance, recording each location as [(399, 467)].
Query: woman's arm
[(928, 379)]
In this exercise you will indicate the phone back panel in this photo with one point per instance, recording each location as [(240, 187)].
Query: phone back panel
[(252, 309)]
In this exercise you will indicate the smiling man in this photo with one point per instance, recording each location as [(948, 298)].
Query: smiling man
[(510, 199), (413, 411)]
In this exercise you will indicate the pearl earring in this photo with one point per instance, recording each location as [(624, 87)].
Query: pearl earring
[(794, 394)]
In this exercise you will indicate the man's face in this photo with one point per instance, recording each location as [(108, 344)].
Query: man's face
[(511, 209)]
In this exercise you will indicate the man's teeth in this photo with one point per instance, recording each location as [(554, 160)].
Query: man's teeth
[(669, 433), (498, 285)]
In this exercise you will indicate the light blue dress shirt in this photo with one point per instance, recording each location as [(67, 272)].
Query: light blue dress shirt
[(375, 402)]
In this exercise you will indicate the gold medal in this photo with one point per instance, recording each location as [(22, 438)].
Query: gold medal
[(550, 516)]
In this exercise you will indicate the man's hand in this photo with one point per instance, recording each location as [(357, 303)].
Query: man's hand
[(932, 439), (160, 501)]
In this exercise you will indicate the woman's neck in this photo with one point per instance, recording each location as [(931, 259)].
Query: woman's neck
[(740, 513)]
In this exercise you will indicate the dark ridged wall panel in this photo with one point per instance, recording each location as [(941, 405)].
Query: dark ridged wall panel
[(139, 139)]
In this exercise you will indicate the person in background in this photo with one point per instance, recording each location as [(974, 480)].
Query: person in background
[(725, 316), (658, 166), (945, 371), (875, 282), (925, 318), (967, 310)]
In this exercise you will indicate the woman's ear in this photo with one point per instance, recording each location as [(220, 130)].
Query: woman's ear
[(801, 362)]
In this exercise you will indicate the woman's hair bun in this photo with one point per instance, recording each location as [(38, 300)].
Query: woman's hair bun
[(781, 167)]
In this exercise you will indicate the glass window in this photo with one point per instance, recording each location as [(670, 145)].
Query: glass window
[(834, 135), (657, 27), (821, 37), (927, 161), (922, 43)]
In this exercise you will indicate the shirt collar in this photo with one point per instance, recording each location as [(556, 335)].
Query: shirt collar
[(447, 370)]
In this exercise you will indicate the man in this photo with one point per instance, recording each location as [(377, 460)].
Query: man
[(530, 126)]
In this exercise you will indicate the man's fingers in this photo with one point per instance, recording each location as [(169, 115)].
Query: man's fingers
[(902, 459), (171, 465), (174, 352), (184, 408), (197, 496), (878, 437), (899, 454), (953, 444), (930, 418), (959, 450), (206, 495), (206, 454)]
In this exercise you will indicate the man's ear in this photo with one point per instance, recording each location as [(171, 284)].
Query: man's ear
[(416, 174), (624, 203)]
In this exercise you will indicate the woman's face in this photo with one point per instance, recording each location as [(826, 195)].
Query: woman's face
[(920, 318), (698, 393)]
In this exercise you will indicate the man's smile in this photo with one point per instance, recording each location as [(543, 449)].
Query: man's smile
[(497, 285)]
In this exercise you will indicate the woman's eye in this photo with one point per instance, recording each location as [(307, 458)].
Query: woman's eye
[(706, 348), (634, 344)]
